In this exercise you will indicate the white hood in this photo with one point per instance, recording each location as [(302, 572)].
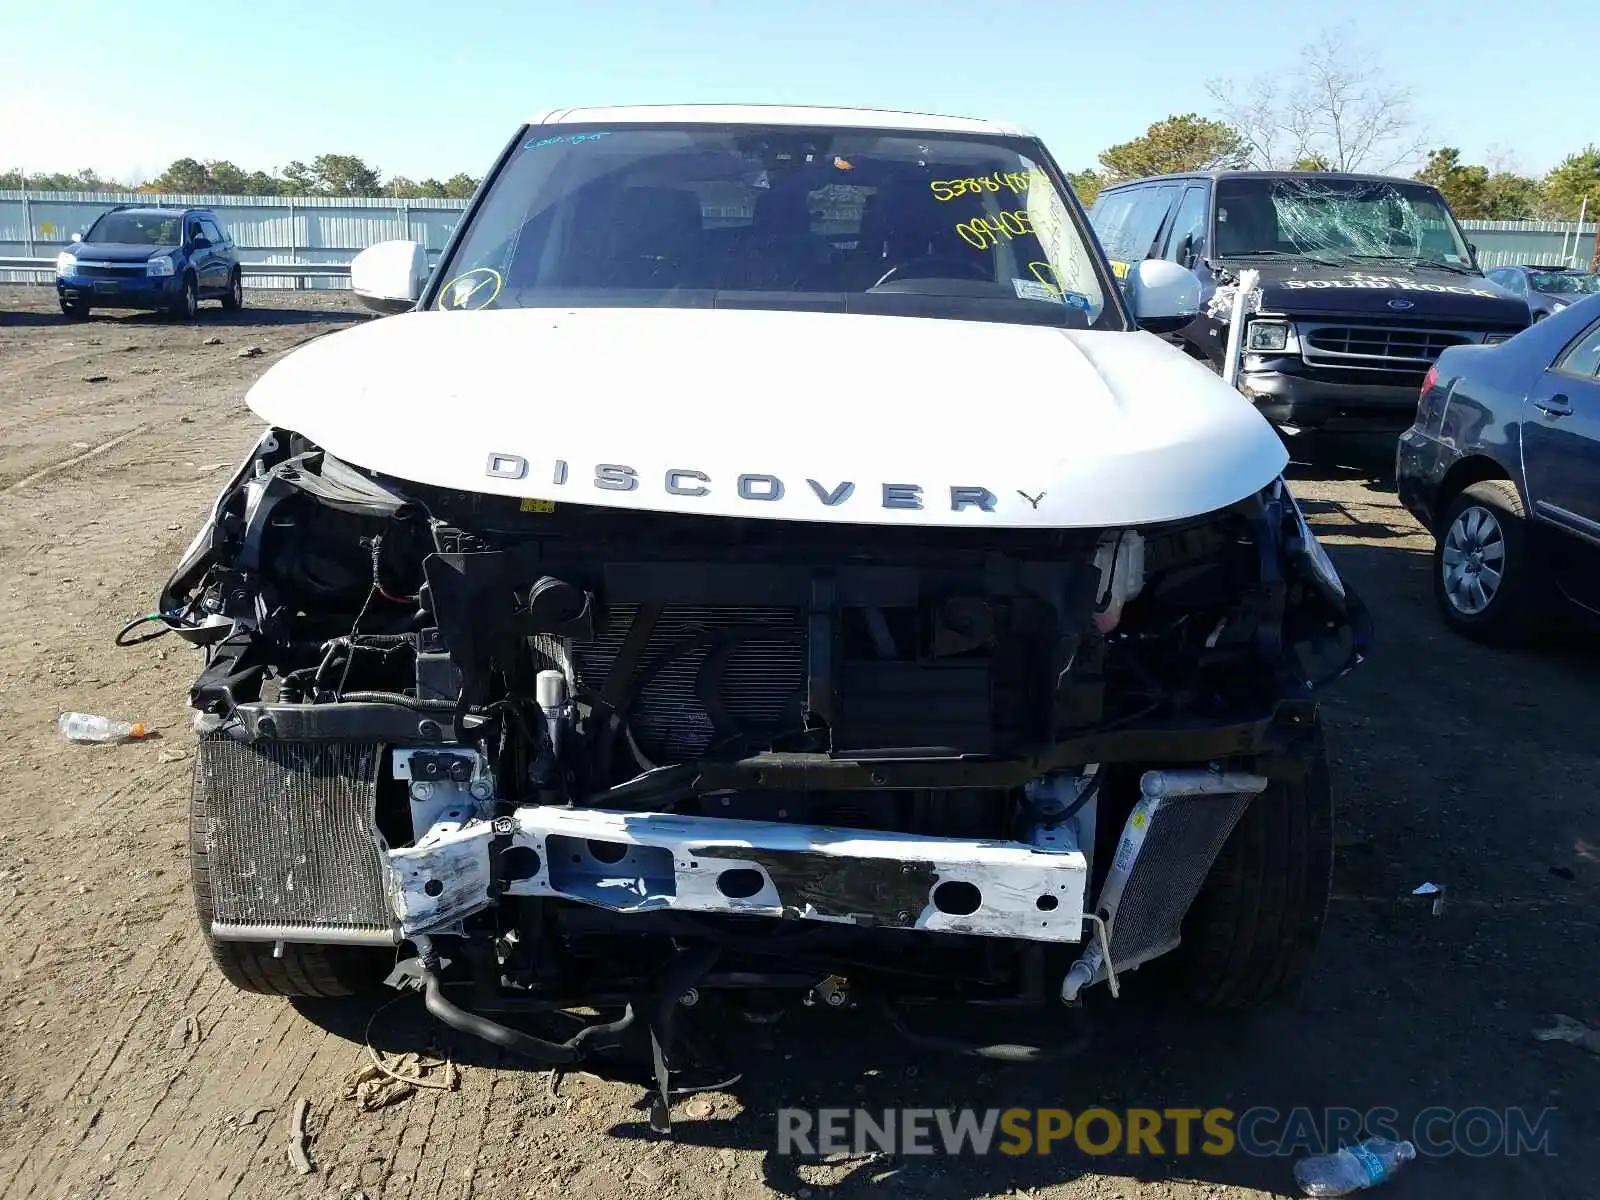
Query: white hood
[(784, 415)]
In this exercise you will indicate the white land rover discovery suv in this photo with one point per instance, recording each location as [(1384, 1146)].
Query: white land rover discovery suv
[(768, 560)]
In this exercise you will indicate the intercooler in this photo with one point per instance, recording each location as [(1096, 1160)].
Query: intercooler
[(1170, 840), (290, 842)]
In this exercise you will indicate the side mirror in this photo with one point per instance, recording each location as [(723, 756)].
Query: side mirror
[(1164, 296), (77, 237), (388, 276), (200, 242)]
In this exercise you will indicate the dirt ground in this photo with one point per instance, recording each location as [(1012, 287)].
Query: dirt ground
[(129, 1069)]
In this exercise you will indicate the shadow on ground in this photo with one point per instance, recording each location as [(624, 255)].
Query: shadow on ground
[(1356, 458)]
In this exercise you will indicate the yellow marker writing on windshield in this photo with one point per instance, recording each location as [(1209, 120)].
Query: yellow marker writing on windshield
[(1045, 273), (476, 288)]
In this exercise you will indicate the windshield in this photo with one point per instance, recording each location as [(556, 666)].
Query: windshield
[(776, 217), (1344, 220), (1564, 283), (137, 229)]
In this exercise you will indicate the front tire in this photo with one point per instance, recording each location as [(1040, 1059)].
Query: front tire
[(233, 300), (186, 304), (304, 970), (74, 310), (1483, 573), (1254, 927)]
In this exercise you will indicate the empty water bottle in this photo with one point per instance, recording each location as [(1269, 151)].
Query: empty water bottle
[(1352, 1169), (82, 727)]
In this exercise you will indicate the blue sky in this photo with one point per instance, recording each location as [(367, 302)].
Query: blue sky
[(432, 87)]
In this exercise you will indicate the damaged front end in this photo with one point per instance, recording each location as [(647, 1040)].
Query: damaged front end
[(585, 756)]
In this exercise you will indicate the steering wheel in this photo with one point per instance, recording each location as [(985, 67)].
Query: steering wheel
[(965, 266)]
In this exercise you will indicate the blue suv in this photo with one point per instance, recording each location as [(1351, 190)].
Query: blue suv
[(156, 258)]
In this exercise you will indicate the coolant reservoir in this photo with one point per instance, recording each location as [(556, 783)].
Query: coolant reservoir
[(1120, 560), (550, 690)]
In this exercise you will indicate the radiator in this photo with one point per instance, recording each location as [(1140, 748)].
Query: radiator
[(730, 670), (290, 839)]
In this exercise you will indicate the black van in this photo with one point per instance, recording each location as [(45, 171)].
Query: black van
[(1364, 281)]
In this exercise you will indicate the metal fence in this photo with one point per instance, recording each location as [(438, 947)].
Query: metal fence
[(1542, 243), (267, 229), (308, 230)]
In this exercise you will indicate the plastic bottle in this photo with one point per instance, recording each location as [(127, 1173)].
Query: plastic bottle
[(82, 727), (1352, 1169)]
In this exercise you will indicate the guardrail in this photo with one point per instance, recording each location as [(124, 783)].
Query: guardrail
[(299, 271)]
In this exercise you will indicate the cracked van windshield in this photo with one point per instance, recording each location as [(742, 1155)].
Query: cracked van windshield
[(821, 219), (1562, 283), (1337, 220)]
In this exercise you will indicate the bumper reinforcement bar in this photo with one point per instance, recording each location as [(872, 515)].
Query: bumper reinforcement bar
[(649, 862)]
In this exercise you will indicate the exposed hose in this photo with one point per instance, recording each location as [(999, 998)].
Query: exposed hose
[(366, 641), (403, 700), (655, 789), (169, 621), (591, 1032), (687, 969), (538, 1049), (620, 709), (1006, 1052), (376, 643), (123, 640)]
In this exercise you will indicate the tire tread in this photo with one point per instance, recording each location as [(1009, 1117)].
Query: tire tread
[(1254, 928)]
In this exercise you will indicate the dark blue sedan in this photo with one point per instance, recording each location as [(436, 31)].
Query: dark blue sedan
[(161, 258), (1503, 465)]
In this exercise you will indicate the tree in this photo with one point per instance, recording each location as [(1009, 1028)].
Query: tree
[(1340, 107), (328, 175), (1465, 186), (1510, 197), (344, 175), (225, 179), (1310, 162), (1476, 194), (298, 179), (86, 180), (1577, 176), (1087, 184), (259, 183), (182, 175), (1187, 143)]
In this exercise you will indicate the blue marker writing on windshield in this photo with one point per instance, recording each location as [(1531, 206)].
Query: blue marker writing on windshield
[(571, 139)]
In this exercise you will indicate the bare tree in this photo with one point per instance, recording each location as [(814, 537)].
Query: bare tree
[(1500, 158), (1338, 106), (1256, 111)]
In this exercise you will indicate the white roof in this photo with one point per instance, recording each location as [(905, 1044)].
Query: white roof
[(774, 114)]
